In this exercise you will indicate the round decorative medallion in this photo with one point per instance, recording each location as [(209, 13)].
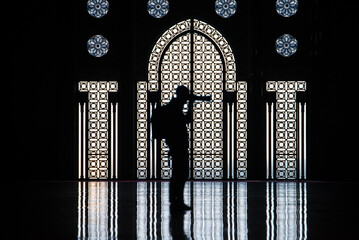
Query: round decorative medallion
[(286, 45), (158, 8), (98, 46), (286, 8), (225, 8), (97, 8)]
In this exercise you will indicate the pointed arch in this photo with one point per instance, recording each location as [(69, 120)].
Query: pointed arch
[(230, 115)]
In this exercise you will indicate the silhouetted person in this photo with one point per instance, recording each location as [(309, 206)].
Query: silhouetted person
[(178, 143), (170, 123), (177, 140)]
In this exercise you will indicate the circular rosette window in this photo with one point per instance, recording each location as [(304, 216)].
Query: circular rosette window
[(225, 8), (97, 8), (158, 8), (286, 8), (98, 46), (286, 45)]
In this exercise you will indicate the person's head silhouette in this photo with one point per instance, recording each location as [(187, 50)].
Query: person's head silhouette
[(182, 93)]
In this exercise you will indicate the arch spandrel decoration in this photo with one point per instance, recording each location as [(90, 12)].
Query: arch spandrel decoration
[(229, 118)]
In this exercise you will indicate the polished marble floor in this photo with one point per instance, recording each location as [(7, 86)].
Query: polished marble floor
[(221, 210)]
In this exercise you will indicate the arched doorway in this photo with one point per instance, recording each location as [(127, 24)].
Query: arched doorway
[(195, 54)]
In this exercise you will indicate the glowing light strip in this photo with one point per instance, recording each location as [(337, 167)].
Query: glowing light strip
[(267, 141), (232, 140), (155, 157), (305, 141), (84, 140), (228, 141), (112, 141), (151, 144), (272, 139), (300, 139), (116, 141), (79, 141)]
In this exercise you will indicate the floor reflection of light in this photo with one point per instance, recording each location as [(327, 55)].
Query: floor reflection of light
[(219, 211), (97, 215), (208, 210), (242, 211), (141, 210), (286, 211)]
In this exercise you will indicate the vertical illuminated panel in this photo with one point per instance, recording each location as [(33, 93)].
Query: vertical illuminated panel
[(305, 141), (112, 157), (241, 130), (300, 136), (79, 141), (286, 127), (142, 130), (228, 140), (84, 129), (97, 126), (267, 141), (207, 116), (116, 141), (272, 140)]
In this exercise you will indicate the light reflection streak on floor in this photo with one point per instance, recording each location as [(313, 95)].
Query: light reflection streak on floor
[(286, 211), (220, 211), (97, 210)]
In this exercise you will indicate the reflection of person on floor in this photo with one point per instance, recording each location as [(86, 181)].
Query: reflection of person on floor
[(176, 226)]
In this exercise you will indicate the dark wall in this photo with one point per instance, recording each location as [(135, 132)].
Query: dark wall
[(49, 57)]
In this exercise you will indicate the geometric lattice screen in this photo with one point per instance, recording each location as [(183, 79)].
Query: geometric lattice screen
[(194, 54), (98, 131), (286, 131)]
